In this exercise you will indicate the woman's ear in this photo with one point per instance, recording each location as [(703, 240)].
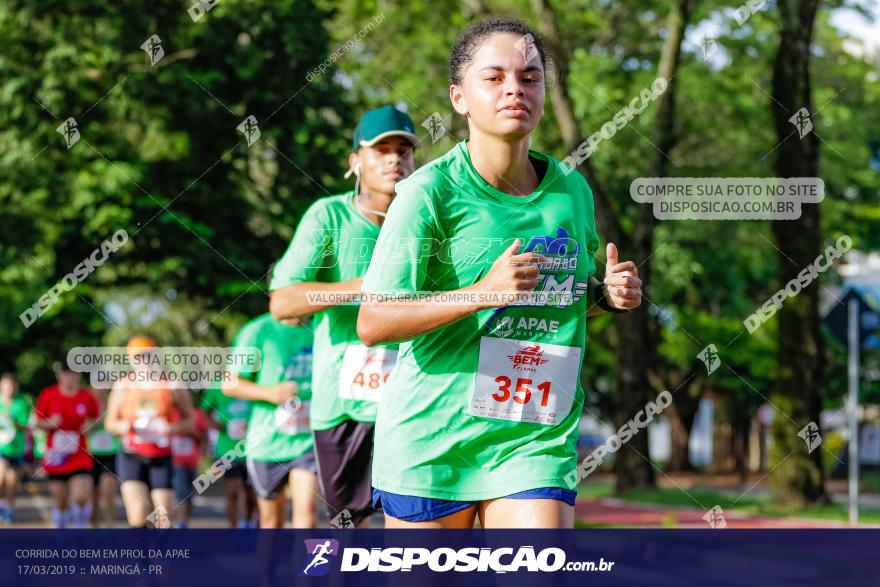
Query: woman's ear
[(456, 96), (353, 160)]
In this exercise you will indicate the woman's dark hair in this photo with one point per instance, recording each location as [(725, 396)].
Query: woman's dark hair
[(474, 35)]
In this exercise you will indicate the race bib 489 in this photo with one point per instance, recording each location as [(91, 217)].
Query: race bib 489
[(365, 371)]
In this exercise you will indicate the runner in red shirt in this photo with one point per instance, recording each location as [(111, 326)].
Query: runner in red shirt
[(186, 453), (142, 411), (66, 411)]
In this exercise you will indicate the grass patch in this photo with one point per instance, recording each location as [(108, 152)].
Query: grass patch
[(756, 505)]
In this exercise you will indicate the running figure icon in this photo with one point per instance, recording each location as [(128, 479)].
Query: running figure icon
[(319, 551)]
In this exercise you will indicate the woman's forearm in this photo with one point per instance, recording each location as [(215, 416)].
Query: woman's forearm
[(398, 321), (511, 275), (112, 421)]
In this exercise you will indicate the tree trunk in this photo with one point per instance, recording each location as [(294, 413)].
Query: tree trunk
[(797, 477), (681, 415), (742, 426)]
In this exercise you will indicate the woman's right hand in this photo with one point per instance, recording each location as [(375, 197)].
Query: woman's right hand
[(510, 275)]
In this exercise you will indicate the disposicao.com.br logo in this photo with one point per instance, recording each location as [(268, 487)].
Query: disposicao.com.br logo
[(441, 560)]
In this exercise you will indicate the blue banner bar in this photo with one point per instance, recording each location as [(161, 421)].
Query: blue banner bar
[(251, 558)]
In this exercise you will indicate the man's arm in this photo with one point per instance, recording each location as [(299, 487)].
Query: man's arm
[(292, 301), (43, 422), (314, 248), (46, 424)]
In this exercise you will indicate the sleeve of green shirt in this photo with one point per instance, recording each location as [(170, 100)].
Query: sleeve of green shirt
[(592, 232), (309, 250), (399, 263), (21, 412), (209, 400), (247, 337)]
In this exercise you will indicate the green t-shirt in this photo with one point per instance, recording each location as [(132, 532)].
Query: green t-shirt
[(468, 412), (101, 442), (332, 243), (232, 414), (279, 433), (17, 411), (39, 441)]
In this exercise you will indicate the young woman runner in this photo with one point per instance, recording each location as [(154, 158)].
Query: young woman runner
[(480, 415), (142, 412)]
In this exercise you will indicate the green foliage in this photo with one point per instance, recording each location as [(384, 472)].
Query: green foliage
[(160, 156)]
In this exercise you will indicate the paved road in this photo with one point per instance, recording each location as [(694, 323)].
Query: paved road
[(33, 506)]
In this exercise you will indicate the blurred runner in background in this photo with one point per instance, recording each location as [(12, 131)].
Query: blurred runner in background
[(103, 447), (229, 416), (329, 254), (279, 439), (186, 453), (15, 411), (66, 412), (140, 412)]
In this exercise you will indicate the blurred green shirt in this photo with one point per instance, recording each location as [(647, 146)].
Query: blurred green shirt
[(12, 413), (278, 432)]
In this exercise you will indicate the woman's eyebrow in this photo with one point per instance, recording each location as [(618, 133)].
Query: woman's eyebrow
[(527, 69)]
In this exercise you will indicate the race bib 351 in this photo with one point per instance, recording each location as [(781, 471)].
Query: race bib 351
[(524, 381)]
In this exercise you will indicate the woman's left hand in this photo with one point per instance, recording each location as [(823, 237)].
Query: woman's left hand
[(623, 288)]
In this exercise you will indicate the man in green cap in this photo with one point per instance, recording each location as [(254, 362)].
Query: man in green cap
[(328, 256)]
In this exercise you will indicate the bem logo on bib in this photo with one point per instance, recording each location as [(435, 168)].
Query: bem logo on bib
[(527, 359), (81, 409)]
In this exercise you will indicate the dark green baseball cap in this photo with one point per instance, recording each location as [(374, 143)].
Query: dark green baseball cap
[(383, 122)]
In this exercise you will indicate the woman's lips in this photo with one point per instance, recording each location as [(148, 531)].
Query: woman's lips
[(514, 112)]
